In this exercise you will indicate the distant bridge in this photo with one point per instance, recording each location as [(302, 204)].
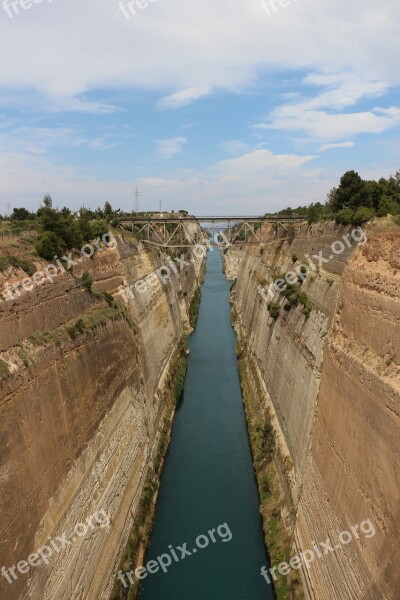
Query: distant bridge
[(178, 231)]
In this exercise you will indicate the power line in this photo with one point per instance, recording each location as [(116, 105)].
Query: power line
[(137, 194)]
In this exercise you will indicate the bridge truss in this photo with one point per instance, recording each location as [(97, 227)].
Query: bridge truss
[(186, 231)]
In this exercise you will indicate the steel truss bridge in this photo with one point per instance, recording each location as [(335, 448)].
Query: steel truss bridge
[(186, 231)]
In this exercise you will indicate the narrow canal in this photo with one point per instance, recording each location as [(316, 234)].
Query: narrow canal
[(208, 481)]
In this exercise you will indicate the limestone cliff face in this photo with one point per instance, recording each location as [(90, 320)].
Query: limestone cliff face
[(331, 381), (80, 412)]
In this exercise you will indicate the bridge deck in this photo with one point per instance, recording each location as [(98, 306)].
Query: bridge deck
[(207, 219)]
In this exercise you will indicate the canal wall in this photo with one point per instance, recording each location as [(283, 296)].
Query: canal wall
[(324, 370), (87, 377)]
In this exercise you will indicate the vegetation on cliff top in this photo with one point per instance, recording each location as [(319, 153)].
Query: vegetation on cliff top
[(354, 201)]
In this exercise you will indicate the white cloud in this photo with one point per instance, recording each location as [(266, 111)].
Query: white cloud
[(191, 48), (169, 147), (36, 140), (101, 143), (182, 98), (322, 118), (338, 145), (234, 147), (258, 181)]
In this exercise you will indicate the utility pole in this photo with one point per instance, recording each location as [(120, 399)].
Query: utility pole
[(137, 193), (160, 205)]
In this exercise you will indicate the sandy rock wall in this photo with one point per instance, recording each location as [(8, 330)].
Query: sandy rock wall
[(288, 352), (331, 381), (353, 472), (80, 415)]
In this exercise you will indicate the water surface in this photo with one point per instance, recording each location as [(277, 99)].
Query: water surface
[(208, 477)]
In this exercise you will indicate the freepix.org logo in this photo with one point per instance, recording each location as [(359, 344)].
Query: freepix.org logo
[(13, 7), (45, 553)]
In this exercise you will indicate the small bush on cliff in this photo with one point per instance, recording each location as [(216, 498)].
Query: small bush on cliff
[(265, 487), (180, 379), (86, 281), (194, 308), (294, 297), (13, 261), (4, 370), (362, 215), (274, 309), (268, 442)]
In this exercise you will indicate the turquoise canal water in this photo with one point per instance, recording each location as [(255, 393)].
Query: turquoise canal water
[(208, 477)]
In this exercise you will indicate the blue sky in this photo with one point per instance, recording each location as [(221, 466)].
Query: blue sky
[(212, 107)]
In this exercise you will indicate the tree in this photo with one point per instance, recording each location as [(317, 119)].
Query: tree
[(20, 214), (48, 245), (331, 198), (351, 192), (108, 211), (47, 201), (313, 213), (387, 205)]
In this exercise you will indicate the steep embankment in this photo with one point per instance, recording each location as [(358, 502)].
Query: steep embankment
[(84, 394), (329, 380)]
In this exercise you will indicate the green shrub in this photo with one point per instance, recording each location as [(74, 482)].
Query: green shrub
[(268, 442), (87, 281), (72, 331), (109, 298), (274, 309), (362, 215), (4, 370), (294, 257), (344, 216), (387, 205), (180, 379), (22, 353), (7, 261), (265, 487), (194, 307), (80, 326), (49, 245)]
